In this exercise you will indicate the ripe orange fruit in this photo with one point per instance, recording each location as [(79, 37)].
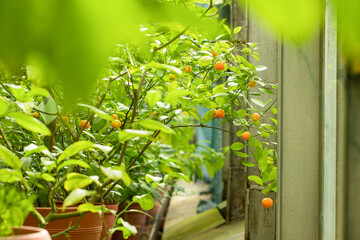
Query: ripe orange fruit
[(188, 69), (36, 114), (82, 123), (219, 66), (252, 83), (245, 135), (116, 124), (153, 113), (219, 113), (114, 116), (65, 118), (255, 117), (214, 53), (267, 202), (172, 76)]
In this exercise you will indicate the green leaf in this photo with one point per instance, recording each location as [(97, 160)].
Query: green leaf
[(126, 177), (260, 68), (49, 106), (237, 29), (76, 180), (10, 176), (9, 158), (241, 154), (3, 107), (258, 153), (104, 148), (247, 163), (152, 97), (72, 162), (205, 61), (274, 110), (237, 146), (30, 123), (266, 91), (75, 197), (99, 112), (274, 120), (227, 29), (209, 115), (258, 102), (146, 201), (74, 149), (114, 173), (149, 178), (155, 125), (47, 177), (262, 163), (38, 91), (256, 179), (152, 65), (173, 97), (132, 229), (89, 207), (128, 134)]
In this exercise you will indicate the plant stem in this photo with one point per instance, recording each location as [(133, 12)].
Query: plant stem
[(6, 140), (70, 228), (205, 126)]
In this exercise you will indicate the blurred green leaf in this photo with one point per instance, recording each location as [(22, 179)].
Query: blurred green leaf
[(155, 125), (75, 197), (29, 123), (74, 149), (9, 158)]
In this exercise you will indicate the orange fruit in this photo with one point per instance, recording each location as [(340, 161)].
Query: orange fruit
[(114, 116), (36, 114), (214, 53), (0, 136), (219, 113), (116, 124), (82, 123), (267, 202), (172, 76), (252, 83), (65, 118), (245, 135), (255, 117), (219, 66), (188, 69), (153, 113)]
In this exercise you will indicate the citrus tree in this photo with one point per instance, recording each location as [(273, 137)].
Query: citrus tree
[(131, 136)]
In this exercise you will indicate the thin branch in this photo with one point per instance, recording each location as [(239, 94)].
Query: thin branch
[(204, 126), (6, 140)]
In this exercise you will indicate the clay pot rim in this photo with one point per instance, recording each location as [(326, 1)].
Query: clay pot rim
[(59, 204), (37, 233)]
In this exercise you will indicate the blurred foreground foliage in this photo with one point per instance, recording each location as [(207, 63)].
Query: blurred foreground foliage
[(68, 41)]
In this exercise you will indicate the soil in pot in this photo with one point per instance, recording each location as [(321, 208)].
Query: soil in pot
[(90, 225), (109, 220), (28, 233)]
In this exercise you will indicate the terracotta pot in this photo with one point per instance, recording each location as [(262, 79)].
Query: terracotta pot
[(29, 233), (90, 224), (140, 221), (109, 219)]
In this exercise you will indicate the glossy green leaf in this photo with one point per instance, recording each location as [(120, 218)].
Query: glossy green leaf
[(256, 179), (9, 158), (209, 115), (247, 163), (128, 134), (163, 66), (30, 123), (155, 125), (114, 173), (73, 162), (241, 154), (76, 180), (76, 196), (10, 175), (74, 149), (237, 146), (47, 177), (262, 163), (149, 178), (146, 201), (205, 61), (152, 97), (3, 107), (48, 106), (89, 207), (99, 112)]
